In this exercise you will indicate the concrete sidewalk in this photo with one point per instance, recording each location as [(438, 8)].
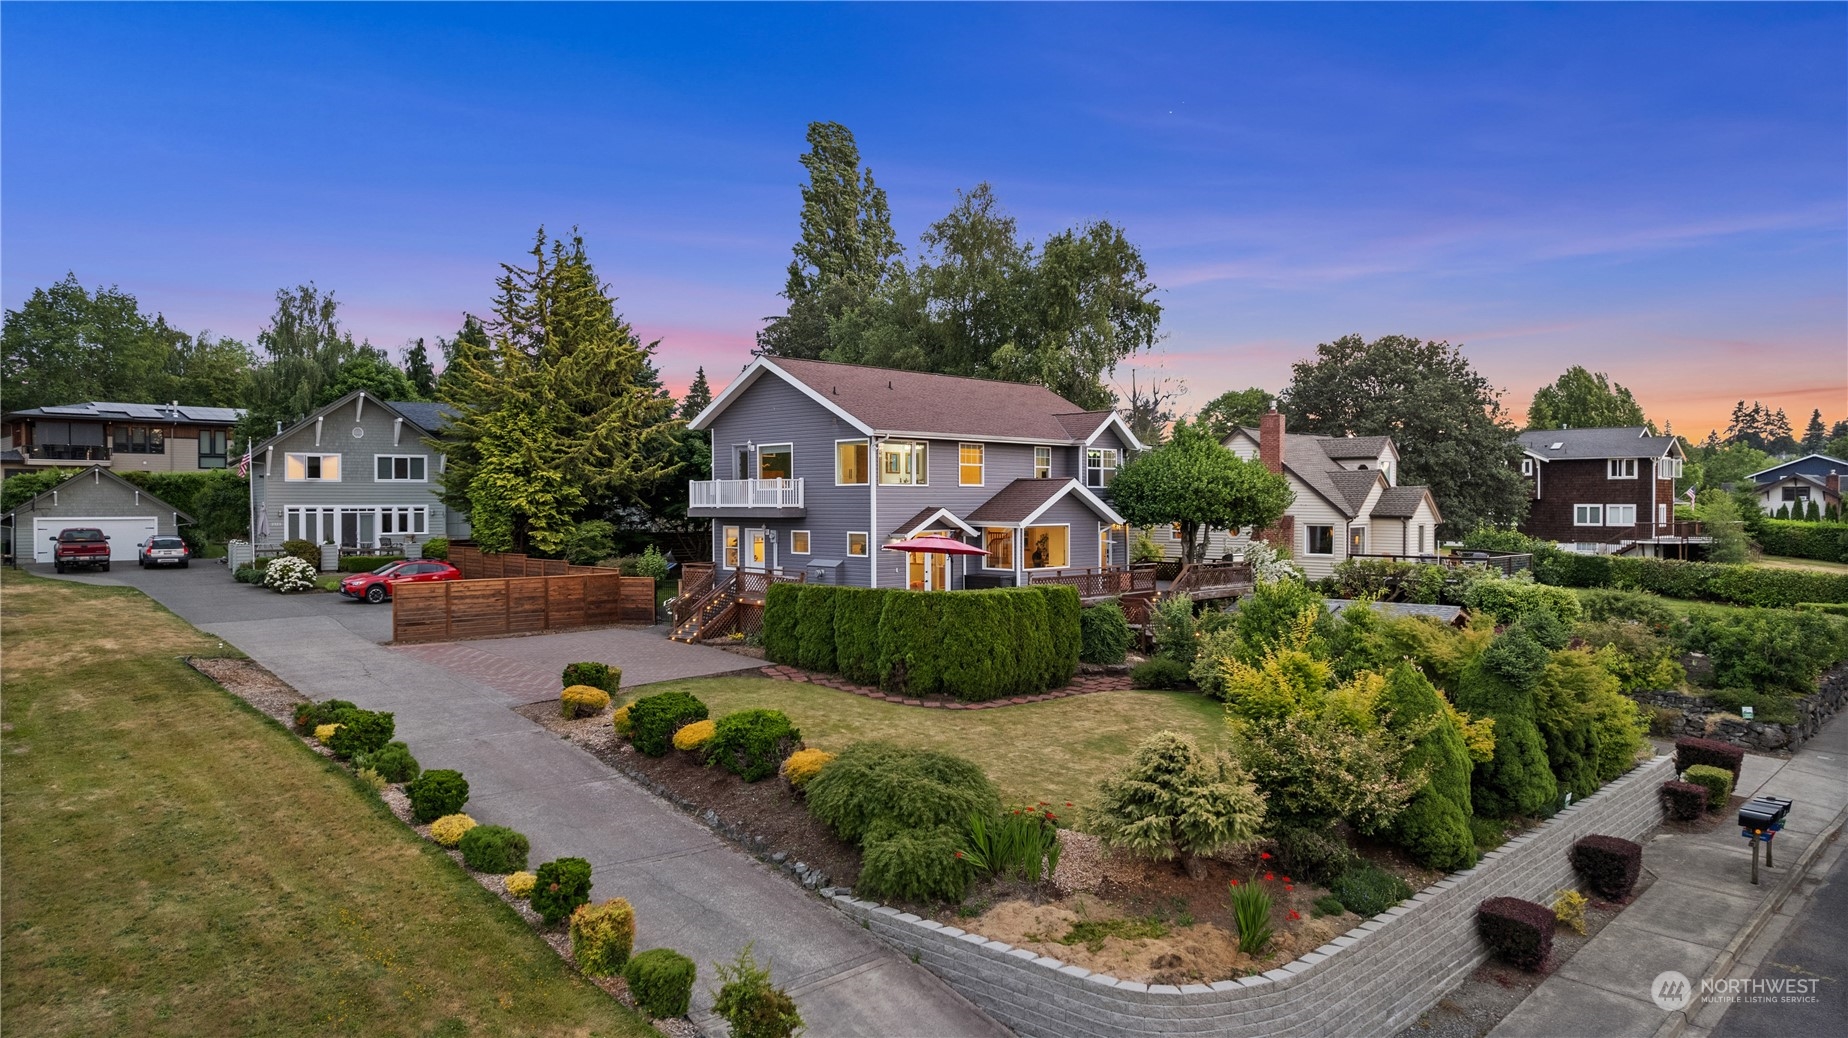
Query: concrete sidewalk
[(1699, 913), (691, 891)]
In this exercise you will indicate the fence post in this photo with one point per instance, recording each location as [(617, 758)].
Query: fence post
[(449, 623)]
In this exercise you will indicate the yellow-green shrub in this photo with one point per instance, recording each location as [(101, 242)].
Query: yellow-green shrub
[(324, 732), (803, 765), (602, 936), (619, 720), (695, 735), (581, 700), (449, 829), (520, 884)]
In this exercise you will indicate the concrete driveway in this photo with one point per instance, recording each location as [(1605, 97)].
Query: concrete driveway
[(691, 890)]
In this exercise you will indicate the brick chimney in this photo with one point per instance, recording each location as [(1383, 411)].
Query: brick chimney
[(1834, 482), (1270, 440)]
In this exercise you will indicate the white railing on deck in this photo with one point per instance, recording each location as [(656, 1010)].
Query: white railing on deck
[(744, 493)]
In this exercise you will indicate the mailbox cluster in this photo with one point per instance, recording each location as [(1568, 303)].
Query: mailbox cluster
[(1760, 818)]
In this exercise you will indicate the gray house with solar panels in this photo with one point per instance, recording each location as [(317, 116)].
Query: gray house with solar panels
[(818, 465)]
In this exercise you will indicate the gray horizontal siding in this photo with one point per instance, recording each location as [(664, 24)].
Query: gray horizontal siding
[(91, 496), (357, 486)]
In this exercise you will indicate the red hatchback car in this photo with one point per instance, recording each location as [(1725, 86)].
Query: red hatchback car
[(376, 585)]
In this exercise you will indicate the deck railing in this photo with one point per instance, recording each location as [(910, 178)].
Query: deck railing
[(1101, 581), (1507, 563), (1212, 579), (744, 493)]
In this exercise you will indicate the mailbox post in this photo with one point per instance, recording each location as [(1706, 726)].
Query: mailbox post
[(1761, 819)]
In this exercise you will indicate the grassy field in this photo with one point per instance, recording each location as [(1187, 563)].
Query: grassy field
[(1783, 562), (1055, 751), (177, 864)]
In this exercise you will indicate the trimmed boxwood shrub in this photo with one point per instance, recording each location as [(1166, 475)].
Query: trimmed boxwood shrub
[(1104, 634), (1160, 672), (435, 793), (1684, 801), (1519, 932), (780, 603), (494, 848), (393, 762), (856, 633), (815, 627), (560, 886), (653, 720), (602, 936), (1610, 865), (871, 783), (1313, 855), (1718, 782), (366, 563), (594, 674), (752, 744), (914, 864), (661, 980), (1691, 750), (910, 656), (1369, 890), (307, 551), (361, 731)]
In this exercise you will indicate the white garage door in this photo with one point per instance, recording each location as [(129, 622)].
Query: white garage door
[(125, 535)]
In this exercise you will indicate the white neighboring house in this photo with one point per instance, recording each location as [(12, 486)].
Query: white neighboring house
[(1348, 500)]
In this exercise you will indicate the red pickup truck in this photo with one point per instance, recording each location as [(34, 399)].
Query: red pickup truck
[(80, 546)]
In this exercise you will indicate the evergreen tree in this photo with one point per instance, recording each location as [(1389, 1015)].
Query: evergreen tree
[(1839, 429), (559, 409), (418, 369), (465, 353), (844, 252), (1434, 826), (1815, 436), (371, 371), (1581, 399), (698, 398)]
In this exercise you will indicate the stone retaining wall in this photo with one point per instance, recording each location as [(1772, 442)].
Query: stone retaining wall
[(1373, 980), (1703, 717)]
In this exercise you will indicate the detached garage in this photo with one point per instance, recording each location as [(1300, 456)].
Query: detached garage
[(94, 497)]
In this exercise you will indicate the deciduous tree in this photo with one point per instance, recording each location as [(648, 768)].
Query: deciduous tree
[(303, 347), (1235, 409), (1447, 420), (1581, 399), (1193, 481)]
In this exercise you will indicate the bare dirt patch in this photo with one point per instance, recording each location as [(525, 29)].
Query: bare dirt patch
[(250, 682)]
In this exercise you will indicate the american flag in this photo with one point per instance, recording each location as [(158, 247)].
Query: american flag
[(243, 466), (1690, 496)]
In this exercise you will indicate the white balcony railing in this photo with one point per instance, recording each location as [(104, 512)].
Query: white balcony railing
[(744, 493)]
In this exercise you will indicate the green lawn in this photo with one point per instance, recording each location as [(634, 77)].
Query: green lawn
[(1784, 562), (177, 864), (1055, 751)]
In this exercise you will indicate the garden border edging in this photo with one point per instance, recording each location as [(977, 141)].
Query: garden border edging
[(1374, 979)]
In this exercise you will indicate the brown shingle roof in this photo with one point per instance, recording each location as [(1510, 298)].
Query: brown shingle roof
[(1402, 502), (1020, 499), (940, 405), (1082, 424)]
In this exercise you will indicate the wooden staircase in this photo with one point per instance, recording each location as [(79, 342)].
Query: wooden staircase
[(712, 604), (709, 616)]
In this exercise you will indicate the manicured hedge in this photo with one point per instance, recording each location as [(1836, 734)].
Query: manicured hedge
[(780, 604), (661, 981), (856, 633), (1825, 542), (1691, 750), (1610, 865), (1519, 932), (1718, 783), (366, 563), (815, 627), (1738, 585), (1684, 801), (910, 654)]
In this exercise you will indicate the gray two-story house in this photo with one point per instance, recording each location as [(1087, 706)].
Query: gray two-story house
[(359, 472), (821, 465)]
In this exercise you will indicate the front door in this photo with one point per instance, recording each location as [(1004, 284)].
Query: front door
[(754, 552), (928, 571)]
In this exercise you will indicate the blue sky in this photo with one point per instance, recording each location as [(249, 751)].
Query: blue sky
[(1659, 191)]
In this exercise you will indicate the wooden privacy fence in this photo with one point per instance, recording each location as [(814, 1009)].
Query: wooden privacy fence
[(476, 564), (454, 609)]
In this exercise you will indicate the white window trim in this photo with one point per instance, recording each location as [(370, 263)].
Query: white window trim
[(1527, 466), (394, 479), (1613, 466), (1116, 465), (1333, 541), (871, 460), (1609, 521), (866, 539), (765, 448), (879, 468), (735, 532), (339, 467), (1013, 548), (1596, 521), (806, 536), (1022, 556), (1036, 462), (980, 465)]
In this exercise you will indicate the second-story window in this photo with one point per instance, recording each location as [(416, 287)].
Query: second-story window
[(1621, 468), (212, 448), (776, 461), (904, 463), (1042, 463), (140, 439), (850, 463), (969, 464), (1527, 466), (324, 467), (1100, 466), (407, 468)]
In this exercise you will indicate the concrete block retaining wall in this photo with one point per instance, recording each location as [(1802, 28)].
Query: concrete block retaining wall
[(1373, 980)]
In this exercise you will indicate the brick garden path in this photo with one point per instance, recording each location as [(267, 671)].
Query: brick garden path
[(1082, 685)]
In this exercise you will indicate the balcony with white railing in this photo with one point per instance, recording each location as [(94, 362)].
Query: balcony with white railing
[(762, 497)]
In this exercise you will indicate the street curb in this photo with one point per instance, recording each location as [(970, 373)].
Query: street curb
[(1678, 1021)]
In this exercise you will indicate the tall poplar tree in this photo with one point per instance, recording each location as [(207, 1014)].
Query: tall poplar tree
[(845, 250), (559, 410)]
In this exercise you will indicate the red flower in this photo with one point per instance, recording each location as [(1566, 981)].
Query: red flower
[(959, 854), (1293, 915), (1269, 876), (1265, 855), (1235, 883), (1068, 803), (1287, 879), (1287, 886)]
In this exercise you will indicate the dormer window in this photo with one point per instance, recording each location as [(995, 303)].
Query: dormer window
[(1621, 468)]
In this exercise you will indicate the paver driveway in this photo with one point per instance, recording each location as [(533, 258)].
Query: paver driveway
[(691, 890), (526, 669)]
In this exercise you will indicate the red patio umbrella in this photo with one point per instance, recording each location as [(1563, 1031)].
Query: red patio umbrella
[(937, 546)]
